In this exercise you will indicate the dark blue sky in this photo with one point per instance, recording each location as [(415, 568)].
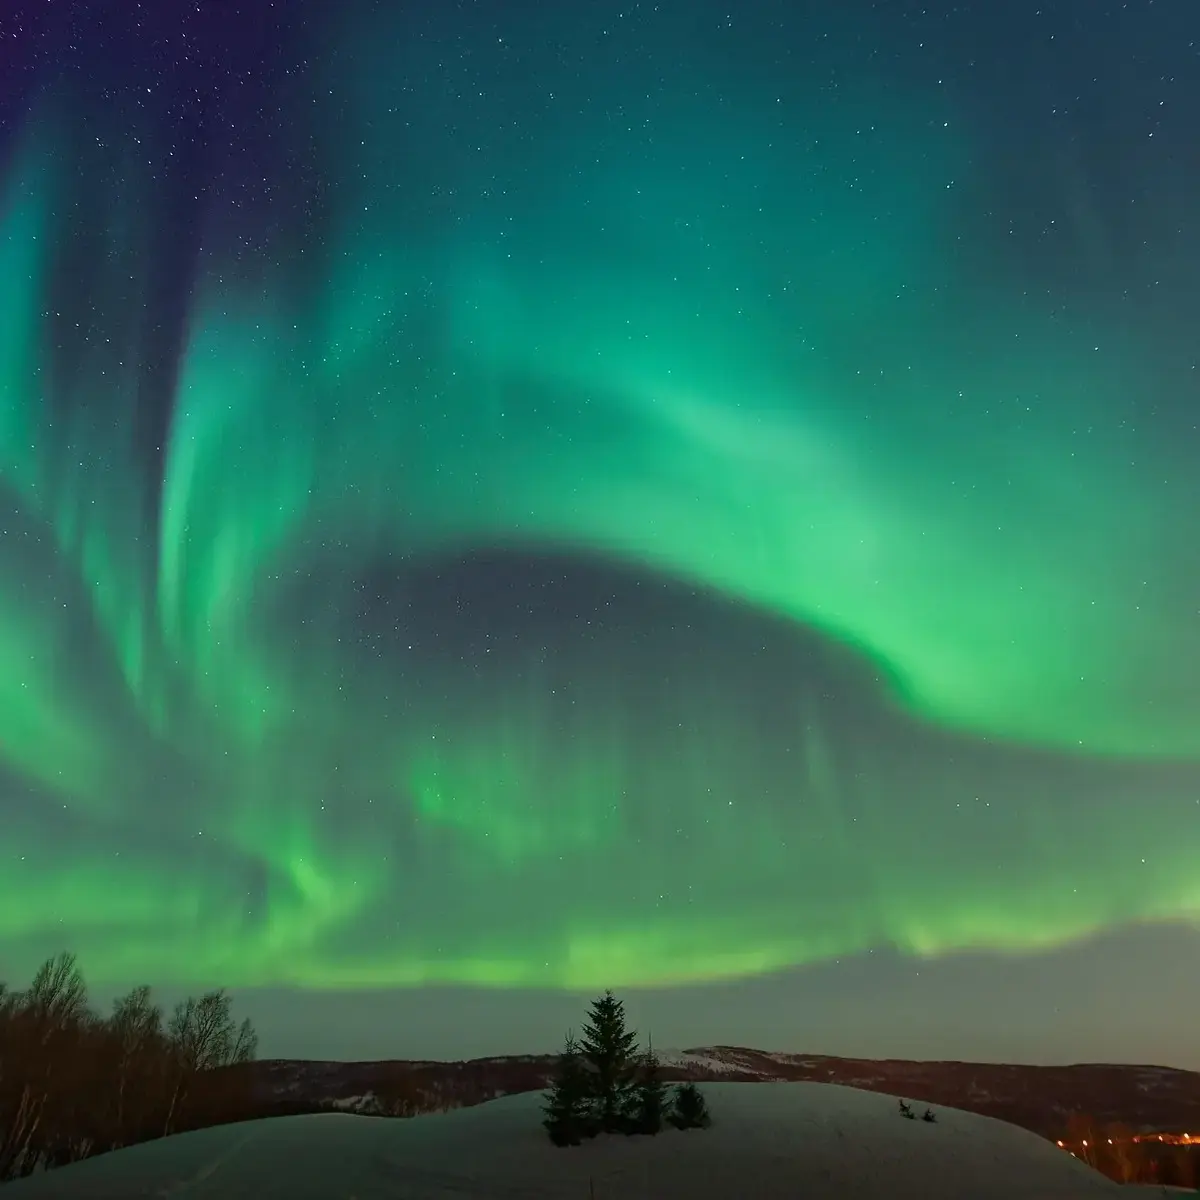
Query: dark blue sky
[(504, 500)]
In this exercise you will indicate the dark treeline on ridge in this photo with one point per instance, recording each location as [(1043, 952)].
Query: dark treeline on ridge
[(74, 1083)]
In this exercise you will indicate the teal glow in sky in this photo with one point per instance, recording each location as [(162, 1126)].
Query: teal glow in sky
[(583, 499)]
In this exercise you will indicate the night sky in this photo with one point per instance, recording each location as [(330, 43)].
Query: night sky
[(504, 499)]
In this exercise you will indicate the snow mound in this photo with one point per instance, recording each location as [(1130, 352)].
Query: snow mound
[(769, 1141)]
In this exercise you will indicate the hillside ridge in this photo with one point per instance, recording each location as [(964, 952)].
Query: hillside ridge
[(1144, 1097)]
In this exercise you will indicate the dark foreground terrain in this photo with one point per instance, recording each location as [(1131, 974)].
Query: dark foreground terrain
[(775, 1141)]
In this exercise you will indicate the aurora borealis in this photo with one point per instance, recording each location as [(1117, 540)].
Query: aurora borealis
[(563, 496)]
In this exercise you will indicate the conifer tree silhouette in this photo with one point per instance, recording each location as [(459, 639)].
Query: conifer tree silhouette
[(689, 1110), (567, 1116), (650, 1095), (608, 1052)]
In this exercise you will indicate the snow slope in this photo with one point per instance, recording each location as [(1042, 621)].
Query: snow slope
[(769, 1141)]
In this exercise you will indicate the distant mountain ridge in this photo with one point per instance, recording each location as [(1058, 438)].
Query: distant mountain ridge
[(1041, 1099)]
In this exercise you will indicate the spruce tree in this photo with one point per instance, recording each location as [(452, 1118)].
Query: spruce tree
[(608, 1050), (689, 1109), (650, 1097), (566, 1113)]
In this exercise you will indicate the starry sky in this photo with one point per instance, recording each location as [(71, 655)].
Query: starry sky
[(500, 500)]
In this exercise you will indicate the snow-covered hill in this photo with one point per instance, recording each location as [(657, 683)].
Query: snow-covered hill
[(1038, 1098), (771, 1141)]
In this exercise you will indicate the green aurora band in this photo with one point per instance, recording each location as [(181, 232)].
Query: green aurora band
[(857, 628)]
